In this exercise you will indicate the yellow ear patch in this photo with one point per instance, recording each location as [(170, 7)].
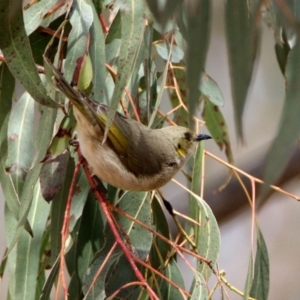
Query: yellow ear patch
[(181, 152)]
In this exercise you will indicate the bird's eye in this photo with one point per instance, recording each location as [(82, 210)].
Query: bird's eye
[(179, 146), (187, 136)]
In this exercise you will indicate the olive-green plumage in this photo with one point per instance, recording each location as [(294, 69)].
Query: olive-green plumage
[(133, 157)]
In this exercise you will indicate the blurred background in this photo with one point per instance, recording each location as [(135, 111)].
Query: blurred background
[(279, 216)]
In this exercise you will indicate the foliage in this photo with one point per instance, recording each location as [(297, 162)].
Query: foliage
[(125, 52)]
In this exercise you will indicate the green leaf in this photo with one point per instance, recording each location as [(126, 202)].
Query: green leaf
[(137, 205), (163, 49), (199, 289), (62, 138), (79, 198), (168, 291), (20, 140), (210, 89), (207, 236), (197, 16), (97, 55), (34, 15), (81, 19), (94, 283), (288, 133), (88, 238), (261, 281), (15, 46), (217, 126), (249, 279), (133, 26), (116, 280), (45, 294), (160, 249), (163, 10), (7, 84), (28, 249), (242, 38), (43, 137), (115, 29)]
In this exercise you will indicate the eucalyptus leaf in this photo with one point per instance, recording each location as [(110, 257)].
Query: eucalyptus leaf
[(20, 140), (97, 55), (133, 26), (28, 249), (289, 129), (199, 289), (15, 46), (197, 16), (81, 19), (261, 280), (242, 40), (163, 50), (34, 15), (249, 279)]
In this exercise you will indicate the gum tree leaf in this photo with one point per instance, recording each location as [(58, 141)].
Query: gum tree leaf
[(289, 130), (15, 46), (133, 25), (261, 280)]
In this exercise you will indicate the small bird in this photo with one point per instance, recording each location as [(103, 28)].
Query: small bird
[(133, 157)]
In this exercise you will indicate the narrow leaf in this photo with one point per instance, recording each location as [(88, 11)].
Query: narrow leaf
[(261, 280), (20, 141), (199, 289), (97, 54), (197, 14), (15, 46), (28, 249), (81, 19), (242, 38), (133, 26), (217, 126), (289, 130), (249, 279)]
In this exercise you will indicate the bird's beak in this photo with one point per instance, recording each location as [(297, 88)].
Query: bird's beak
[(201, 137)]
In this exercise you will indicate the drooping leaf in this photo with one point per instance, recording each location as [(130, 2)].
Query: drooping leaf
[(196, 33), (163, 10), (97, 55), (168, 291), (15, 46), (163, 50), (217, 126), (289, 129), (28, 249), (160, 249), (249, 279), (207, 236), (133, 26), (242, 39), (199, 289), (88, 238), (81, 19), (260, 284), (20, 141), (35, 14)]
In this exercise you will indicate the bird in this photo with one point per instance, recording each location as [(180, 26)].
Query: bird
[(133, 157)]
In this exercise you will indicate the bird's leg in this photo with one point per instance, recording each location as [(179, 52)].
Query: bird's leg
[(173, 214)]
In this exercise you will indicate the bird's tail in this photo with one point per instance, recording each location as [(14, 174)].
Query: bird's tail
[(79, 100)]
